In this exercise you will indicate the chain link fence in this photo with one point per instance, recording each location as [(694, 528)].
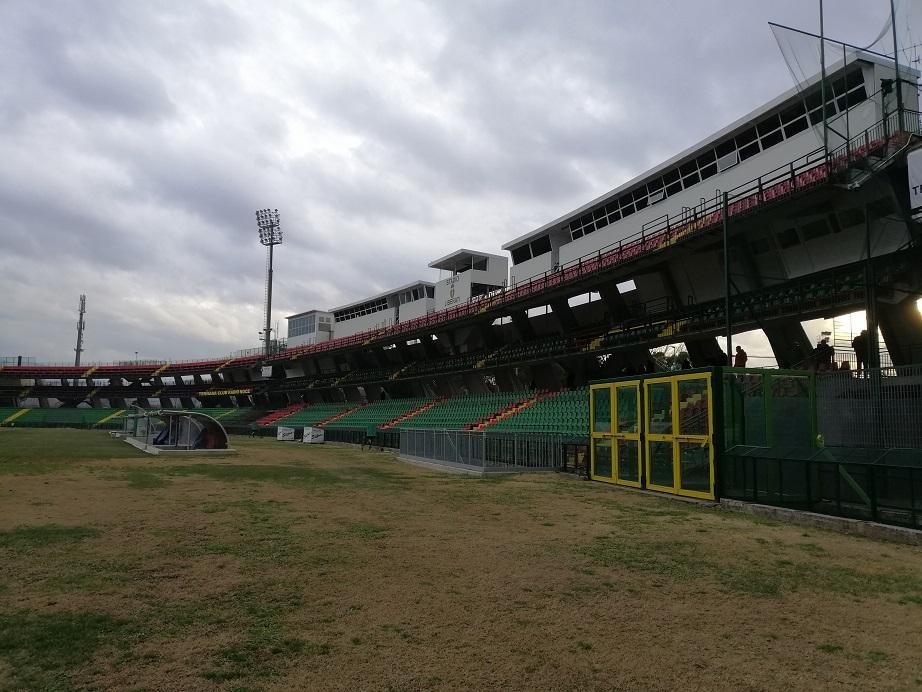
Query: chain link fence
[(878, 408), (485, 452)]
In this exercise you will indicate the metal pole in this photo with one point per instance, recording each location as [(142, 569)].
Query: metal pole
[(727, 283), (896, 64), (268, 334), (823, 84), (870, 296), (80, 326), (848, 133)]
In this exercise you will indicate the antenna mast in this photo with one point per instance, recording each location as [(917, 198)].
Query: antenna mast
[(80, 327)]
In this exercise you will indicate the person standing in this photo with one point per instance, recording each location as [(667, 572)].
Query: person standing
[(739, 360), (824, 355), (860, 344)]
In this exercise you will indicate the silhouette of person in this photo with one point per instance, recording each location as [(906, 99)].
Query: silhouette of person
[(739, 360), (860, 344)]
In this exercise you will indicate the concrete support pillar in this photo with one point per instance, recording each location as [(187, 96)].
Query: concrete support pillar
[(618, 309), (566, 320), (901, 325), (522, 325), (704, 352), (789, 342)]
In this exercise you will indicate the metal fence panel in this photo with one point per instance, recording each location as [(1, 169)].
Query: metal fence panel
[(486, 451), (880, 408), (877, 485)]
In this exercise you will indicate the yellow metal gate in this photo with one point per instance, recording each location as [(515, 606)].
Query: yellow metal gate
[(615, 422), (679, 435)]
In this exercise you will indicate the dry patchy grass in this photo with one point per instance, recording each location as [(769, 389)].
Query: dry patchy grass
[(300, 567)]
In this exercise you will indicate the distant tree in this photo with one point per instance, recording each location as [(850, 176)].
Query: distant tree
[(671, 358)]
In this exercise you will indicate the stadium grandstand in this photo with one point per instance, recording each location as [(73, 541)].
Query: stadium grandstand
[(511, 343)]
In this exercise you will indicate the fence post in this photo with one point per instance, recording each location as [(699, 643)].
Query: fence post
[(871, 473), (808, 485), (912, 498)]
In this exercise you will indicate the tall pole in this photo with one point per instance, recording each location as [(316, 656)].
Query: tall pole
[(872, 366), (270, 235), (896, 65), (80, 326), (268, 332), (870, 296), (727, 282), (823, 84)]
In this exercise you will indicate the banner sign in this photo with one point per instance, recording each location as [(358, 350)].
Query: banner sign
[(914, 164)]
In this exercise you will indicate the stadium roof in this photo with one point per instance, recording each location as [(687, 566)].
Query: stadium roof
[(385, 294), (307, 312), (462, 257)]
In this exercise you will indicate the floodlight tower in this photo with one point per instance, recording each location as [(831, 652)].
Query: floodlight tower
[(270, 235), (80, 327)]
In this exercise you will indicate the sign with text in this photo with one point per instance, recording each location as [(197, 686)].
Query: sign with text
[(914, 164)]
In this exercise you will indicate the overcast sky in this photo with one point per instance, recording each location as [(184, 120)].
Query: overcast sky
[(137, 139)]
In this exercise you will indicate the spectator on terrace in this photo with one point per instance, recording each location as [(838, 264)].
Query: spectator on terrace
[(845, 366), (823, 355), (739, 361), (860, 344), (686, 364), (649, 367)]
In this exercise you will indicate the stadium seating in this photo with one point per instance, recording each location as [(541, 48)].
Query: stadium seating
[(273, 416), (228, 415), (376, 413), (313, 414), (60, 417), (461, 411), (565, 412)]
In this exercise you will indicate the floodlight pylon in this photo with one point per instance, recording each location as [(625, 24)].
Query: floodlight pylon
[(270, 235)]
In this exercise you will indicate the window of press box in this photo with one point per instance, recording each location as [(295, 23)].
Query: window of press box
[(540, 246), (521, 254)]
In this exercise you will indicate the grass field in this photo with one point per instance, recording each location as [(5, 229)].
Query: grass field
[(298, 567)]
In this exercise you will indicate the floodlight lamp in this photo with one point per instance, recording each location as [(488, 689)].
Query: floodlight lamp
[(267, 221)]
